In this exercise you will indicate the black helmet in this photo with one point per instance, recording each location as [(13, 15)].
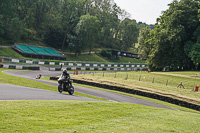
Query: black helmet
[(64, 71)]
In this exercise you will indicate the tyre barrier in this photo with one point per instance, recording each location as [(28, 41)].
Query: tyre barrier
[(54, 78), (138, 92), (55, 69)]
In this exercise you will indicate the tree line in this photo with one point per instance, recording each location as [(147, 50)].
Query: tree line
[(68, 24), (175, 40)]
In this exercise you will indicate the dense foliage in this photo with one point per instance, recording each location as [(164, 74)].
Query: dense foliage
[(175, 40), (68, 24)]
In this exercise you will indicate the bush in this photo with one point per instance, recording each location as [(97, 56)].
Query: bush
[(106, 54)]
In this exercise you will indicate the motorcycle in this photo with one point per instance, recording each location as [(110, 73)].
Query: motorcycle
[(65, 85)]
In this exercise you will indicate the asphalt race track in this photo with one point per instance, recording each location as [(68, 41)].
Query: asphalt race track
[(57, 96), (14, 92)]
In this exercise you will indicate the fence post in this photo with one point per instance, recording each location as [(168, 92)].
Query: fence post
[(126, 76), (139, 77), (103, 74), (153, 80), (167, 83)]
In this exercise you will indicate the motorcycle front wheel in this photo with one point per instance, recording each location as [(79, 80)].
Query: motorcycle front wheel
[(71, 90), (60, 88)]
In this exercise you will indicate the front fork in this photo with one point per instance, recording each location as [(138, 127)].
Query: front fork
[(65, 86)]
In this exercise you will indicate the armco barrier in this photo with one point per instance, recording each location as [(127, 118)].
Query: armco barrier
[(19, 67), (95, 65), (96, 69), (141, 93)]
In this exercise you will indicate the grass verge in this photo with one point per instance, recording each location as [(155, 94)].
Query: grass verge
[(143, 98), (92, 117), (149, 82), (135, 96), (9, 52)]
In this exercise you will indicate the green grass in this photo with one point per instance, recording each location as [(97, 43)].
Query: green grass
[(128, 60), (92, 117), (9, 52), (188, 73), (97, 58), (86, 57)]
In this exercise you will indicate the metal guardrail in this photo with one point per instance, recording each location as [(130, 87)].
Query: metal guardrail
[(73, 64), (8, 66)]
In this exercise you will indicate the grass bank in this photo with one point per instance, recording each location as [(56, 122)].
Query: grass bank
[(92, 117), (9, 52), (86, 57), (162, 84)]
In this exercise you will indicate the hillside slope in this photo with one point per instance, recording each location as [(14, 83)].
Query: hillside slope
[(9, 52)]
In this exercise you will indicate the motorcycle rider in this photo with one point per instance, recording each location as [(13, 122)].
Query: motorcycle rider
[(65, 75), (65, 83)]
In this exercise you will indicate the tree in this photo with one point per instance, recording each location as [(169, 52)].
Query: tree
[(87, 30), (14, 30), (54, 35), (195, 54), (144, 47), (1, 26), (56, 23), (72, 10), (173, 29), (129, 33)]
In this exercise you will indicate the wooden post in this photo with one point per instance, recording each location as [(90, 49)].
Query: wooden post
[(115, 74), (139, 77), (153, 80), (103, 74), (126, 76), (167, 83)]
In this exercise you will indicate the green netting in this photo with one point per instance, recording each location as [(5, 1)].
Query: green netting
[(38, 50), (52, 52), (25, 49)]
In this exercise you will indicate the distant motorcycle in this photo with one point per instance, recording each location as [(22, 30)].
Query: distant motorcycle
[(65, 85)]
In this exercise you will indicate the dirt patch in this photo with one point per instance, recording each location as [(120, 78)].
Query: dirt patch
[(178, 75)]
